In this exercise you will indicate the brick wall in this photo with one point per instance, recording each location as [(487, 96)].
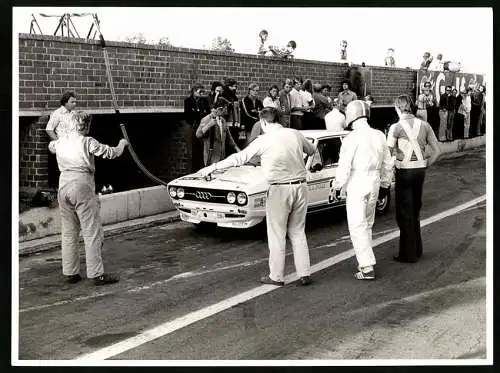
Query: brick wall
[(33, 153), (151, 79)]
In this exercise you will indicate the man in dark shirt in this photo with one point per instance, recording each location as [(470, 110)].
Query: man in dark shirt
[(322, 106), (250, 108), (446, 115)]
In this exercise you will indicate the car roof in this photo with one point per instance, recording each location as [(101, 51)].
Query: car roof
[(318, 134)]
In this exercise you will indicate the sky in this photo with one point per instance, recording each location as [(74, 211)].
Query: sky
[(368, 31)]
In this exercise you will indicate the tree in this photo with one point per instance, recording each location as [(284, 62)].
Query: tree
[(222, 44)]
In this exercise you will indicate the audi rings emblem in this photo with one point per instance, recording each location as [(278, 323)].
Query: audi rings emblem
[(203, 195)]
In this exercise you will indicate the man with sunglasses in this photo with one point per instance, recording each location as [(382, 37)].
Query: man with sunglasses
[(282, 160)]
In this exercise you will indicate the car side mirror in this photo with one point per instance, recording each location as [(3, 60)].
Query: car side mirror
[(316, 167)]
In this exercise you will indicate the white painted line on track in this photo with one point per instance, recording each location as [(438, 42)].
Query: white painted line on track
[(192, 317)]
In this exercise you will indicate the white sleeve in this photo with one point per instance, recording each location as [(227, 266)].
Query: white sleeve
[(256, 147)]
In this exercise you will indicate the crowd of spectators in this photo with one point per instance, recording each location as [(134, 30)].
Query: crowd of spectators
[(304, 104), (455, 115)]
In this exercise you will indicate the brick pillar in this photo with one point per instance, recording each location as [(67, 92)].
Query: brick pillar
[(34, 155)]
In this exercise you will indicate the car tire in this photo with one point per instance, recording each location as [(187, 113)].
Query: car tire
[(204, 226), (383, 204)]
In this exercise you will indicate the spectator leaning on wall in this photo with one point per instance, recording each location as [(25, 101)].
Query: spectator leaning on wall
[(60, 121)]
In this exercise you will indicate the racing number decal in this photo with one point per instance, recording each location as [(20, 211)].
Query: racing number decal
[(333, 195)]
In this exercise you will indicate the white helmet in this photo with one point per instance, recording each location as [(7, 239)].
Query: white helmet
[(356, 109)]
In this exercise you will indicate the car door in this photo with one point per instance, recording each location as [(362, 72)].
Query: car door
[(320, 172), (331, 153)]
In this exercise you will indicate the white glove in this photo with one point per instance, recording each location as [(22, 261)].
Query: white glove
[(123, 143), (204, 172)]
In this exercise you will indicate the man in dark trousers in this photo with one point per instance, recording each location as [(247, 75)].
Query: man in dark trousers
[(407, 140), (196, 107)]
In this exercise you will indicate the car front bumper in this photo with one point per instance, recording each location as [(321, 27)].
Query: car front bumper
[(229, 216)]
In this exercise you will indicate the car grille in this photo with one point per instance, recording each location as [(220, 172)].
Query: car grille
[(205, 195)]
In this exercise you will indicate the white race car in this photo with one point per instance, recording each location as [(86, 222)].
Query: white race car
[(236, 197)]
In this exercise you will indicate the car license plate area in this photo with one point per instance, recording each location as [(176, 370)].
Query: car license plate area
[(208, 214)]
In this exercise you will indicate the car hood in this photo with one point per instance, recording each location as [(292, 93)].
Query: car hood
[(247, 178)]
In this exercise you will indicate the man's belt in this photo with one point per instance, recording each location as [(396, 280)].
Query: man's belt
[(290, 182), (411, 164)]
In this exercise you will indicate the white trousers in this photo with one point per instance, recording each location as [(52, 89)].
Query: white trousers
[(80, 208), (361, 202), (286, 209)]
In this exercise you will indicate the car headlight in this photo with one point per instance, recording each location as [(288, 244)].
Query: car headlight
[(172, 192), (241, 198), (231, 197), (180, 192)]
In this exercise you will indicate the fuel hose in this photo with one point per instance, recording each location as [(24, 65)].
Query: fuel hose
[(117, 111), (137, 160)]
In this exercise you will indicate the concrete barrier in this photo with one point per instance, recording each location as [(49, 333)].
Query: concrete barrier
[(138, 203), (117, 207)]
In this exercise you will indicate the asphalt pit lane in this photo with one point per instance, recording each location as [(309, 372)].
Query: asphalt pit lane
[(53, 260), (107, 339)]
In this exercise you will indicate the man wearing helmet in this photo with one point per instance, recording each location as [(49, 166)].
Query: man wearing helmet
[(364, 170)]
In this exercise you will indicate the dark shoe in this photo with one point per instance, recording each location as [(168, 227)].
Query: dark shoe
[(105, 279), (269, 281), (398, 259), (73, 279), (306, 280)]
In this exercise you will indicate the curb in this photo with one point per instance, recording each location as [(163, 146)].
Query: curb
[(53, 242)]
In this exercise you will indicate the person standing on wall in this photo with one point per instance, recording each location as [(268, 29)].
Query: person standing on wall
[(364, 172), (60, 121), (215, 133), (407, 140), (250, 107), (281, 151), (78, 203), (196, 107)]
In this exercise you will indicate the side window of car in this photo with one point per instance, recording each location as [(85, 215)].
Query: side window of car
[(318, 154), (330, 151)]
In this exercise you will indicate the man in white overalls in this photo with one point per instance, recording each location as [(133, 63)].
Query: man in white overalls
[(365, 168), (407, 140)]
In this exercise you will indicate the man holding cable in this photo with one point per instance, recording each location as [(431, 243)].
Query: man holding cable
[(281, 150)]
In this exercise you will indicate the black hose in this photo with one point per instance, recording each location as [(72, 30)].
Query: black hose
[(117, 110), (137, 160)]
